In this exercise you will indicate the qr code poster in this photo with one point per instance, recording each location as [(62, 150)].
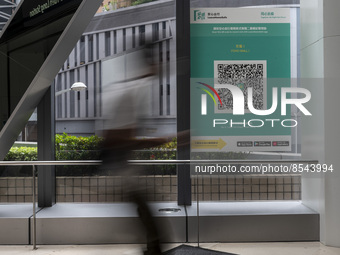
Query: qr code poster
[(244, 74)]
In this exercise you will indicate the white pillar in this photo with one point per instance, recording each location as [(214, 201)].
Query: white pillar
[(320, 73)]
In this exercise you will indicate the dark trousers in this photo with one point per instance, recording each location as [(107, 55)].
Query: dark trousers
[(116, 161)]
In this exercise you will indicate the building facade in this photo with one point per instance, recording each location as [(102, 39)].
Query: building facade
[(109, 35)]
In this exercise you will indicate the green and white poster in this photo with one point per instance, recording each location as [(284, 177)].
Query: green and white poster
[(240, 65)]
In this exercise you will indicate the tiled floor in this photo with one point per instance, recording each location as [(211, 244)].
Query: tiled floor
[(296, 248)]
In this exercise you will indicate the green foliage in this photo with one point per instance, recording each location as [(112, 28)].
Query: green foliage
[(138, 2), (22, 154), (69, 147), (68, 142), (89, 148), (77, 148), (164, 151)]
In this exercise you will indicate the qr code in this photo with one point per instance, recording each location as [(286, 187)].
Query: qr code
[(243, 74)]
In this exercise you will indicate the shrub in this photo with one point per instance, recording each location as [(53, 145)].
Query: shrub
[(164, 151), (22, 154), (138, 2), (89, 148), (77, 148), (69, 147), (19, 154), (68, 142)]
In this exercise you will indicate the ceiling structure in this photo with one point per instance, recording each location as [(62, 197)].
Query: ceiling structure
[(6, 9)]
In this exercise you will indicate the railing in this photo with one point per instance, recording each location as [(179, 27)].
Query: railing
[(134, 162), (43, 163)]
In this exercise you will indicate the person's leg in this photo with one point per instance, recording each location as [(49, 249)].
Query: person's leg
[(153, 244), (135, 194)]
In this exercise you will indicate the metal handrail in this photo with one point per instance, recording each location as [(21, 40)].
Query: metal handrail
[(34, 164), (156, 162), (51, 163), (209, 161)]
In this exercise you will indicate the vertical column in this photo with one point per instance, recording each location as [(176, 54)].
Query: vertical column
[(57, 81), (71, 59), (78, 53), (119, 40), (156, 98), (112, 42), (320, 61), (95, 47), (46, 133), (97, 89), (171, 27), (128, 39), (74, 94), (90, 88), (137, 35), (331, 40), (66, 105), (161, 78), (86, 48), (148, 32), (101, 45), (183, 96), (82, 99), (164, 76)]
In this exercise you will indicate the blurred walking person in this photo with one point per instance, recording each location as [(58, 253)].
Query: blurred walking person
[(126, 103)]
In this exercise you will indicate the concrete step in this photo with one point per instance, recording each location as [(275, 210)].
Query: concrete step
[(71, 223)]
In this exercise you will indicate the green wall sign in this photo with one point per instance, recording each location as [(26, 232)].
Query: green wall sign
[(240, 61)]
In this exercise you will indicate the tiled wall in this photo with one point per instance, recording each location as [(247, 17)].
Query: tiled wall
[(158, 188), (16, 190), (114, 188), (254, 187)]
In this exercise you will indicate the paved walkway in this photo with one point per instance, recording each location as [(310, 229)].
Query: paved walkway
[(296, 248)]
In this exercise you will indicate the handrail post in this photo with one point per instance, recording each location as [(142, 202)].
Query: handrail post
[(34, 236), (198, 210)]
